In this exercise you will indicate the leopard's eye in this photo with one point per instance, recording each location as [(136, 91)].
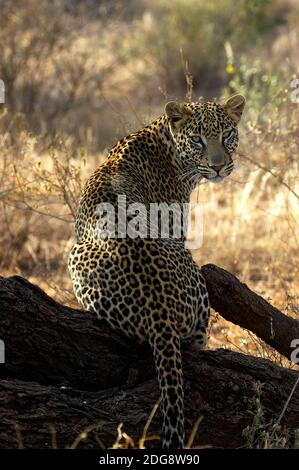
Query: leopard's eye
[(196, 139), (227, 133)]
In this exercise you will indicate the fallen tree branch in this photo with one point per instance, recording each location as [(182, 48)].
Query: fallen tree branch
[(241, 306), (53, 344), (66, 371), (39, 410)]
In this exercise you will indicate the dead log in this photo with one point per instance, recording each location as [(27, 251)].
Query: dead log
[(65, 371), (219, 385), (241, 306), (53, 344)]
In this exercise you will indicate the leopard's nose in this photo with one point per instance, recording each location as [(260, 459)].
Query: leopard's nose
[(217, 168)]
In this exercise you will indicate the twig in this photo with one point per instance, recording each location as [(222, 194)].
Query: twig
[(267, 170), (288, 400)]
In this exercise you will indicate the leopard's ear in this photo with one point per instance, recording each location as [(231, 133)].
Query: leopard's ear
[(234, 107), (177, 114)]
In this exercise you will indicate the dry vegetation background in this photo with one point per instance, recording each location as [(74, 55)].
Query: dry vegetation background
[(80, 74)]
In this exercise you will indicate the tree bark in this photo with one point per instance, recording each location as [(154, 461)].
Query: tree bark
[(238, 304), (64, 371)]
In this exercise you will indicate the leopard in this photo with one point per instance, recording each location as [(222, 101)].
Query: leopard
[(149, 287)]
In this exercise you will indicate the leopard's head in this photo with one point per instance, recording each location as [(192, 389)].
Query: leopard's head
[(206, 136)]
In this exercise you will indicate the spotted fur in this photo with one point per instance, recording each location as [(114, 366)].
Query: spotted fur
[(151, 289)]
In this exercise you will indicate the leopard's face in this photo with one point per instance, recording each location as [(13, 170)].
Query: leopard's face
[(206, 136)]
